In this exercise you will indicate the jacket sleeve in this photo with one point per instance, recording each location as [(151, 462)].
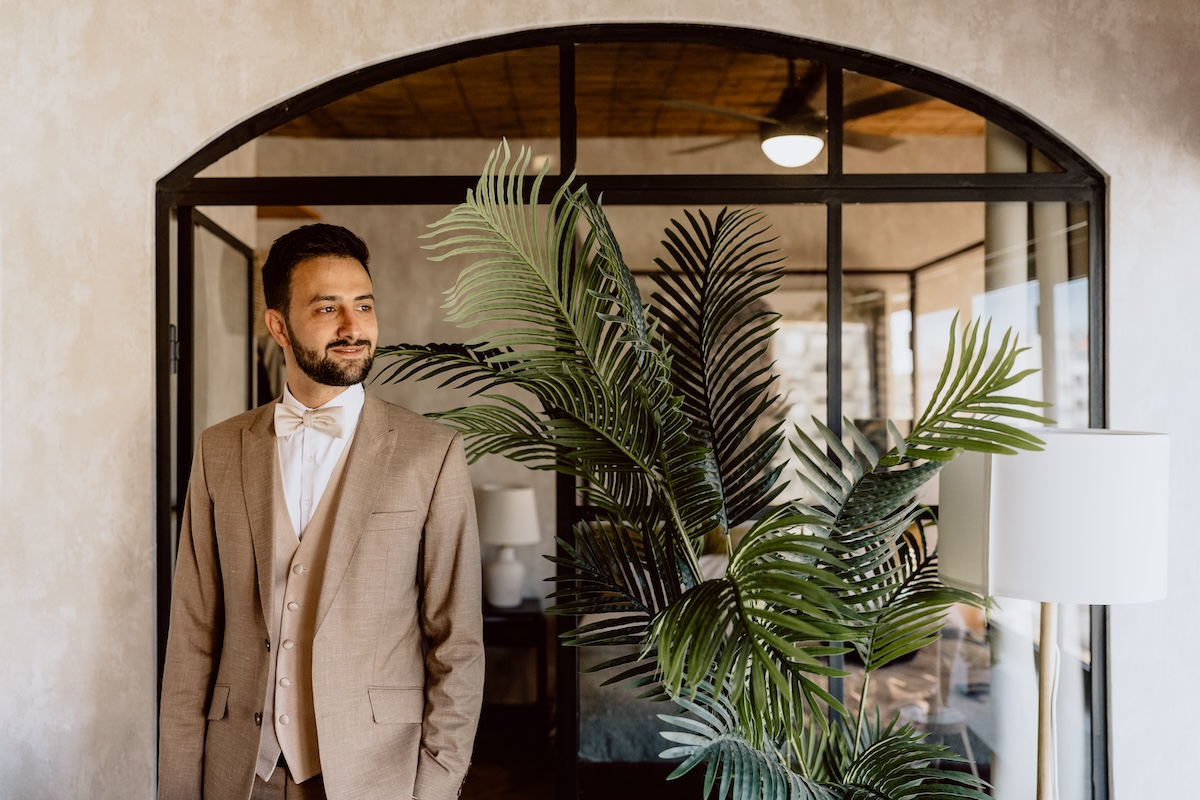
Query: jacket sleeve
[(452, 621), (197, 618)]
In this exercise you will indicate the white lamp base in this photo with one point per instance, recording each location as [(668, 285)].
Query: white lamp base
[(504, 579)]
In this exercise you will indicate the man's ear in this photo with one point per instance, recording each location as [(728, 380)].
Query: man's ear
[(277, 327)]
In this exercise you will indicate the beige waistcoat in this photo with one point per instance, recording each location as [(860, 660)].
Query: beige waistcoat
[(299, 569)]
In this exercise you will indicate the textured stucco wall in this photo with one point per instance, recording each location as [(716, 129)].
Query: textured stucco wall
[(99, 99)]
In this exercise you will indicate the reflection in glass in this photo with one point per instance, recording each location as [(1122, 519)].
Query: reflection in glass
[(223, 372), (676, 108), (876, 309), (442, 121), (800, 350), (976, 690), (914, 133)]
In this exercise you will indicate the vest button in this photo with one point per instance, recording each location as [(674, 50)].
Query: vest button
[(285, 719), (298, 569), (285, 682), (288, 644), (293, 606)]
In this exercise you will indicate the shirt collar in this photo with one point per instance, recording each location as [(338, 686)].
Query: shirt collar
[(352, 398)]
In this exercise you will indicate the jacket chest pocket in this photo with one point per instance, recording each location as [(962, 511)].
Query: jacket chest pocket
[(393, 520)]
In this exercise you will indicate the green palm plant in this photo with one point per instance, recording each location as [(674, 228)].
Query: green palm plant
[(659, 414)]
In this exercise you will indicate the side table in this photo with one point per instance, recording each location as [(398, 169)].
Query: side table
[(522, 626)]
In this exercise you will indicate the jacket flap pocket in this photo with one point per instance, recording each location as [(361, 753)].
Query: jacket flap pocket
[(391, 705), (220, 697), (388, 520)]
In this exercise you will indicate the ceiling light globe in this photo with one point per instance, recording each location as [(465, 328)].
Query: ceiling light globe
[(792, 150)]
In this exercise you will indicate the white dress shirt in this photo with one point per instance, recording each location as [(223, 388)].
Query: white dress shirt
[(307, 458)]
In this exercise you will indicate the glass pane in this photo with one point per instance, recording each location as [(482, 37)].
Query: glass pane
[(976, 690), (877, 361), (798, 231), (443, 121), (799, 348), (222, 329), (891, 129), (1031, 276), (669, 108), (800, 351)]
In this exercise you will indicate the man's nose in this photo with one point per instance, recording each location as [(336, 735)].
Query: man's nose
[(349, 327)]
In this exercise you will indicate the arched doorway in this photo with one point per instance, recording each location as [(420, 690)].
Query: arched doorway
[(641, 113)]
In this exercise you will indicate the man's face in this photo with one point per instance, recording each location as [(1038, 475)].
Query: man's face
[(330, 325)]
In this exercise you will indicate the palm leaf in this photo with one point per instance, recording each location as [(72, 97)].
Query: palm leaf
[(735, 767), (458, 365), (897, 766), (611, 567), (755, 633), (711, 319), (968, 399), (909, 604)]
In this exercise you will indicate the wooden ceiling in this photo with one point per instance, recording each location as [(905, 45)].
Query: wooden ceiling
[(620, 92)]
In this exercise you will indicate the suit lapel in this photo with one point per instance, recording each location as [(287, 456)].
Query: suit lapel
[(370, 452), (260, 484)]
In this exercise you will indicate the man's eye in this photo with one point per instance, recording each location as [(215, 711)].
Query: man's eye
[(365, 308)]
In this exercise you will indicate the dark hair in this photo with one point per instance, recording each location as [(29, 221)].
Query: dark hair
[(294, 247)]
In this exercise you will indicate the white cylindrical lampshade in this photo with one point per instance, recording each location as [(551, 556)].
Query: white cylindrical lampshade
[(1083, 521), (507, 515)]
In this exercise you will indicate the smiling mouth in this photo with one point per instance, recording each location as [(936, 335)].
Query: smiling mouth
[(350, 348)]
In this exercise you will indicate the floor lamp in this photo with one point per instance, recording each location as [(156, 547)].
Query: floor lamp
[(1048, 526)]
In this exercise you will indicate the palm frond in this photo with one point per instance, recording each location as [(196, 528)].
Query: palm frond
[(908, 605), (897, 765), (735, 767), (457, 365), (713, 322), (756, 631), (967, 402), (613, 563)]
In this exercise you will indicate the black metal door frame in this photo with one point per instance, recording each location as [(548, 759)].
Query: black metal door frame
[(176, 356)]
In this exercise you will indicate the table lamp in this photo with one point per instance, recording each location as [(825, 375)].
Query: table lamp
[(1044, 526), (507, 518)]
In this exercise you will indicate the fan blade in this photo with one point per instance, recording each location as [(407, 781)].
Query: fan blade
[(811, 81), (869, 141), (688, 105), (708, 145), (888, 101)]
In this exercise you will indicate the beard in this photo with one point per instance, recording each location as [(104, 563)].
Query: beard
[(326, 370)]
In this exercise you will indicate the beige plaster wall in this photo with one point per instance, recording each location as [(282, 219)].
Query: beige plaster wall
[(99, 99)]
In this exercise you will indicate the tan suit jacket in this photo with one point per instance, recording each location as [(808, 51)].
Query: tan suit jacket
[(398, 650)]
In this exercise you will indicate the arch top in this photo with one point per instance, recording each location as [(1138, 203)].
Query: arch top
[(751, 40)]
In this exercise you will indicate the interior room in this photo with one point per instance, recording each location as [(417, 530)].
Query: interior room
[(971, 164)]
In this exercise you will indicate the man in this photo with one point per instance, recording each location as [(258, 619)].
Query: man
[(326, 632)]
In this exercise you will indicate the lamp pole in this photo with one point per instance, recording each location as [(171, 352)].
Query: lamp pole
[(1047, 684)]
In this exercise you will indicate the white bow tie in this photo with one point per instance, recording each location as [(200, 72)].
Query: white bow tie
[(289, 420)]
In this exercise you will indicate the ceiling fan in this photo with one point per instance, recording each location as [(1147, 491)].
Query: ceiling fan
[(793, 132)]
